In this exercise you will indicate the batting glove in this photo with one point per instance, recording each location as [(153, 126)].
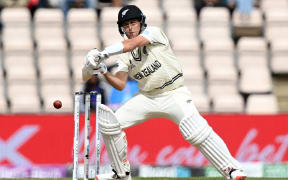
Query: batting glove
[(97, 56), (103, 55), (102, 68), (89, 62)]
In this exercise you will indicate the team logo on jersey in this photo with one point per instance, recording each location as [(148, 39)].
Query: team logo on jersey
[(124, 12), (134, 55), (137, 54), (145, 50)]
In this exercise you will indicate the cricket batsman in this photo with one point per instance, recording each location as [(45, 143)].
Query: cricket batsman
[(146, 56)]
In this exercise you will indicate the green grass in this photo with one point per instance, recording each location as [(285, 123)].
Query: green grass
[(205, 178), (164, 178)]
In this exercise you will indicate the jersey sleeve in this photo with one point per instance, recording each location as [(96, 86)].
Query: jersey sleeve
[(121, 64), (155, 35)]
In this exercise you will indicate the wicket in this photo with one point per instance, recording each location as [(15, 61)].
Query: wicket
[(77, 100)]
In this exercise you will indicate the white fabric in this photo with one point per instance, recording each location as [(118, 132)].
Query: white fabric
[(89, 62), (237, 174), (110, 176), (216, 151), (102, 68), (155, 35), (175, 105), (89, 65), (114, 49), (121, 66), (195, 129), (93, 57), (88, 71), (154, 66), (114, 139), (162, 94), (108, 122)]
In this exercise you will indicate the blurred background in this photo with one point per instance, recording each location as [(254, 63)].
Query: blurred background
[(234, 55)]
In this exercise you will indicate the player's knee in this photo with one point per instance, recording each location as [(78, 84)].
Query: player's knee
[(195, 129), (108, 123)]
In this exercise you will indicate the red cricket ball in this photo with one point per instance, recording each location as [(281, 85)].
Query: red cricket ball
[(57, 104)]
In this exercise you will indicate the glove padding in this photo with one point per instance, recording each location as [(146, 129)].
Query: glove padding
[(96, 56), (88, 72), (89, 62), (101, 68)]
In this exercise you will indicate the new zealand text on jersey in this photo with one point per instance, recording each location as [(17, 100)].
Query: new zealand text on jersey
[(148, 70)]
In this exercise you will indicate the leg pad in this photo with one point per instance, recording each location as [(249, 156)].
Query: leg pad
[(115, 140)]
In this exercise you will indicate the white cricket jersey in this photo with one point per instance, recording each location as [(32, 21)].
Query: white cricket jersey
[(154, 66)]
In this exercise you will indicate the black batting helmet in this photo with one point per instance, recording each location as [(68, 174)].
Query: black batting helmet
[(130, 12)]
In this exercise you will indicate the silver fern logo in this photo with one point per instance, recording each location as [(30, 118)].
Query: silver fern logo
[(124, 12)]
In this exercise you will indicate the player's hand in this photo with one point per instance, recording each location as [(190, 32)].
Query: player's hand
[(103, 55), (89, 62), (97, 56), (101, 68)]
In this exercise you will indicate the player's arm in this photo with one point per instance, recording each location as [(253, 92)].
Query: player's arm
[(95, 57), (115, 49), (118, 81), (123, 47), (130, 44)]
